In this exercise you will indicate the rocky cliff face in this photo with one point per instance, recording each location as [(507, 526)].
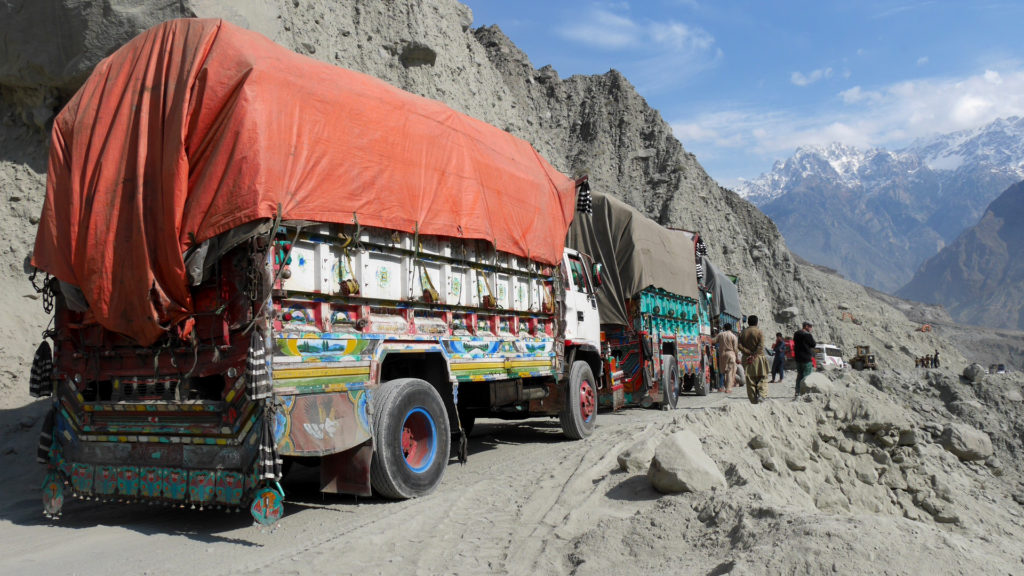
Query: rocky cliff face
[(598, 125), (979, 278)]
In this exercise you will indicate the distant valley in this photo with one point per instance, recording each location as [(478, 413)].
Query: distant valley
[(979, 278)]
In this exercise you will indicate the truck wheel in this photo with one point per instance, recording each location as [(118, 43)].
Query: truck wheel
[(579, 411), (669, 382), (411, 439)]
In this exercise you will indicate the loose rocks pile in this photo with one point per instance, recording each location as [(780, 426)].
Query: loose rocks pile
[(841, 457)]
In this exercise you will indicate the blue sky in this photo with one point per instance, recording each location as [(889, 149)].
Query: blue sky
[(744, 83)]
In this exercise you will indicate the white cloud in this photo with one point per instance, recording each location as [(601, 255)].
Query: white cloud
[(603, 29), (680, 37), (922, 61), (654, 55), (807, 79), (856, 94), (888, 116)]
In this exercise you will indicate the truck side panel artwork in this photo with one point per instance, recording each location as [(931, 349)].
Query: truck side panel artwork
[(249, 265)]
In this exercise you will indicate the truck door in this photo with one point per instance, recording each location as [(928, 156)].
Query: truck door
[(582, 320)]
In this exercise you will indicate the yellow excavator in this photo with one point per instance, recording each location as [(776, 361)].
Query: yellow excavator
[(864, 359)]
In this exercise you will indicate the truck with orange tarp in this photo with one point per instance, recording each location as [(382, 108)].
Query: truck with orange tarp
[(253, 257)]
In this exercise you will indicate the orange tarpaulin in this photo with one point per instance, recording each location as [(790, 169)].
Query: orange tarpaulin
[(197, 126)]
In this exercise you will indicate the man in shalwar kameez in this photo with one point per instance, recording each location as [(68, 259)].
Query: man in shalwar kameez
[(754, 361)]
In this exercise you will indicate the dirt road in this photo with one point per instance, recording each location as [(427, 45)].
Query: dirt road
[(524, 494)]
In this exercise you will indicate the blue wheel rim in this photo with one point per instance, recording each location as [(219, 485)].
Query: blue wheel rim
[(419, 440)]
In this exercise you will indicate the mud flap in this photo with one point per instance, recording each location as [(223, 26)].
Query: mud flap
[(347, 472)]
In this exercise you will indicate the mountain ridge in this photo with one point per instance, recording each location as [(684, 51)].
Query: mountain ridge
[(979, 277), (915, 199)]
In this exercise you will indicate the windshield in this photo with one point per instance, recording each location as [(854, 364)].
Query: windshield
[(580, 280)]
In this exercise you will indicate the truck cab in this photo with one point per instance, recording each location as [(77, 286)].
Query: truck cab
[(582, 322)]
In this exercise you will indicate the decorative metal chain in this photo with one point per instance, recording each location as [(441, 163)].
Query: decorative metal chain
[(48, 289), (254, 276), (48, 297)]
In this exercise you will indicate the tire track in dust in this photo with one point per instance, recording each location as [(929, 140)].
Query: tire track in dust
[(513, 509), (568, 501)]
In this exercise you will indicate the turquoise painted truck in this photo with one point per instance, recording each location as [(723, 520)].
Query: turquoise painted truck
[(654, 325)]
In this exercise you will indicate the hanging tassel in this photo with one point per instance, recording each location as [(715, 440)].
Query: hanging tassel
[(584, 201), (256, 372), (269, 465), (42, 368), (463, 447)]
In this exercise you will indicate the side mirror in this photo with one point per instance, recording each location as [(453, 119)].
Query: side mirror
[(596, 271)]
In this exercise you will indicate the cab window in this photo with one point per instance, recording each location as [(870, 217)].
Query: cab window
[(578, 273)]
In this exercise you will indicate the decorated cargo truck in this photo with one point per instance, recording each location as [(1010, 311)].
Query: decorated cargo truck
[(252, 256), (648, 303), (725, 298), (700, 381)]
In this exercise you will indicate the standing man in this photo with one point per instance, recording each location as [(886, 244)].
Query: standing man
[(780, 349), (728, 351), (754, 361), (935, 359), (803, 352)]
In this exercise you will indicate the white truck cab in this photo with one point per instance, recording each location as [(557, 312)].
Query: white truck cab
[(582, 322)]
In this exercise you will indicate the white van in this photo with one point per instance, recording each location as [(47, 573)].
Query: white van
[(829, 357)]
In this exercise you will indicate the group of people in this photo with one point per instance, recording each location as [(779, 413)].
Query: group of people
[(929, 361), (754, 364)]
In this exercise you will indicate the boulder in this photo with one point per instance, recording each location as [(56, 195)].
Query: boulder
[(909, 437), (864, 469), (758, 441), (680, 465), (818, 382), (787, 314), (767, 461), (994, 466), (974, 373), (796, 461), (965, 442), (637, 457)]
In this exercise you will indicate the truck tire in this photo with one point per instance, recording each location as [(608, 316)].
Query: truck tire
[(411, 439), (669, 381), (579, 411)]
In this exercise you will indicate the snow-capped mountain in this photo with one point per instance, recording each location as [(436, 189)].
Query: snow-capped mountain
[(875, 215)]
